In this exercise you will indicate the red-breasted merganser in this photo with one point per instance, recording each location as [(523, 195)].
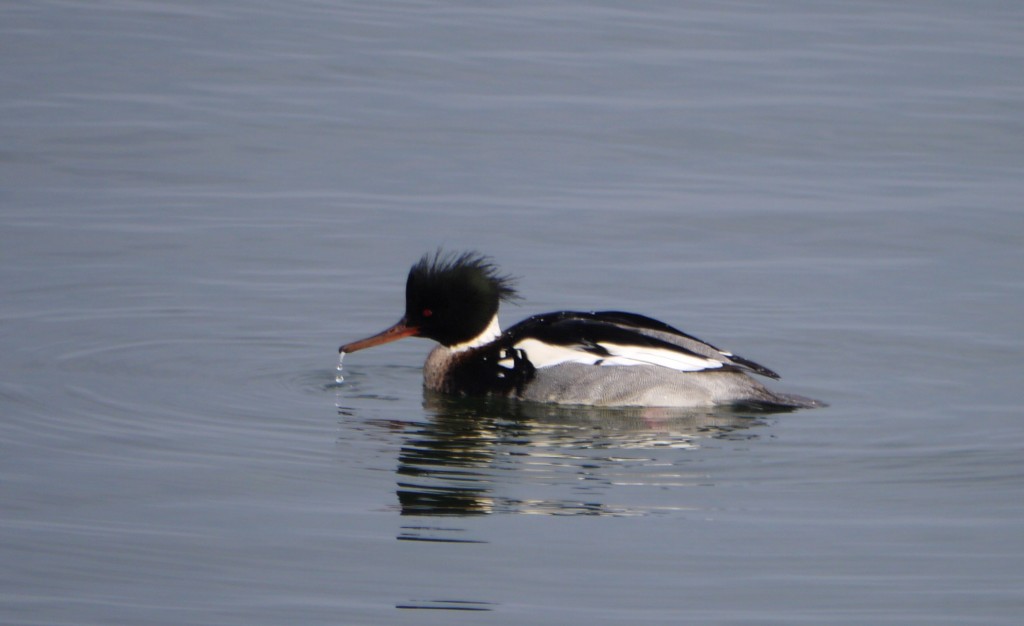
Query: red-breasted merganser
[(605, 358)]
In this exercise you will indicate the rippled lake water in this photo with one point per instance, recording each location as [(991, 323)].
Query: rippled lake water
[(200, 201)]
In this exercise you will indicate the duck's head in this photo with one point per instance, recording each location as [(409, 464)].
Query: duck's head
[(450, 298)]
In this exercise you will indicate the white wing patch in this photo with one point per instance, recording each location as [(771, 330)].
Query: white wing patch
[(641, 355), (543, 354)]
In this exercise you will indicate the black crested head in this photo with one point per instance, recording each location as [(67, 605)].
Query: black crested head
[(452, 297)]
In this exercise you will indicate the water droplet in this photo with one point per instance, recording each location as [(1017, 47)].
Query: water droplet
[(338, 378)]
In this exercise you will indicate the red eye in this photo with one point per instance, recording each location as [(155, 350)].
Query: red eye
[(427, 312)]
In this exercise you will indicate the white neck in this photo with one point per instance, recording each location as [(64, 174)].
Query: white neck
[(492, 332)]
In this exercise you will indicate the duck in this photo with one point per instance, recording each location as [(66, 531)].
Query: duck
[(592, 358)]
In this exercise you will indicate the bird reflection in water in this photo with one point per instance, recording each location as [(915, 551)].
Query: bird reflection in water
[(485, 456)]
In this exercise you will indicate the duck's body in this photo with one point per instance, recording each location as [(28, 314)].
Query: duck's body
[(607, 358)]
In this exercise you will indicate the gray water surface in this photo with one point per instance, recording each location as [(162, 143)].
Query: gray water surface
[(199, 201)]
